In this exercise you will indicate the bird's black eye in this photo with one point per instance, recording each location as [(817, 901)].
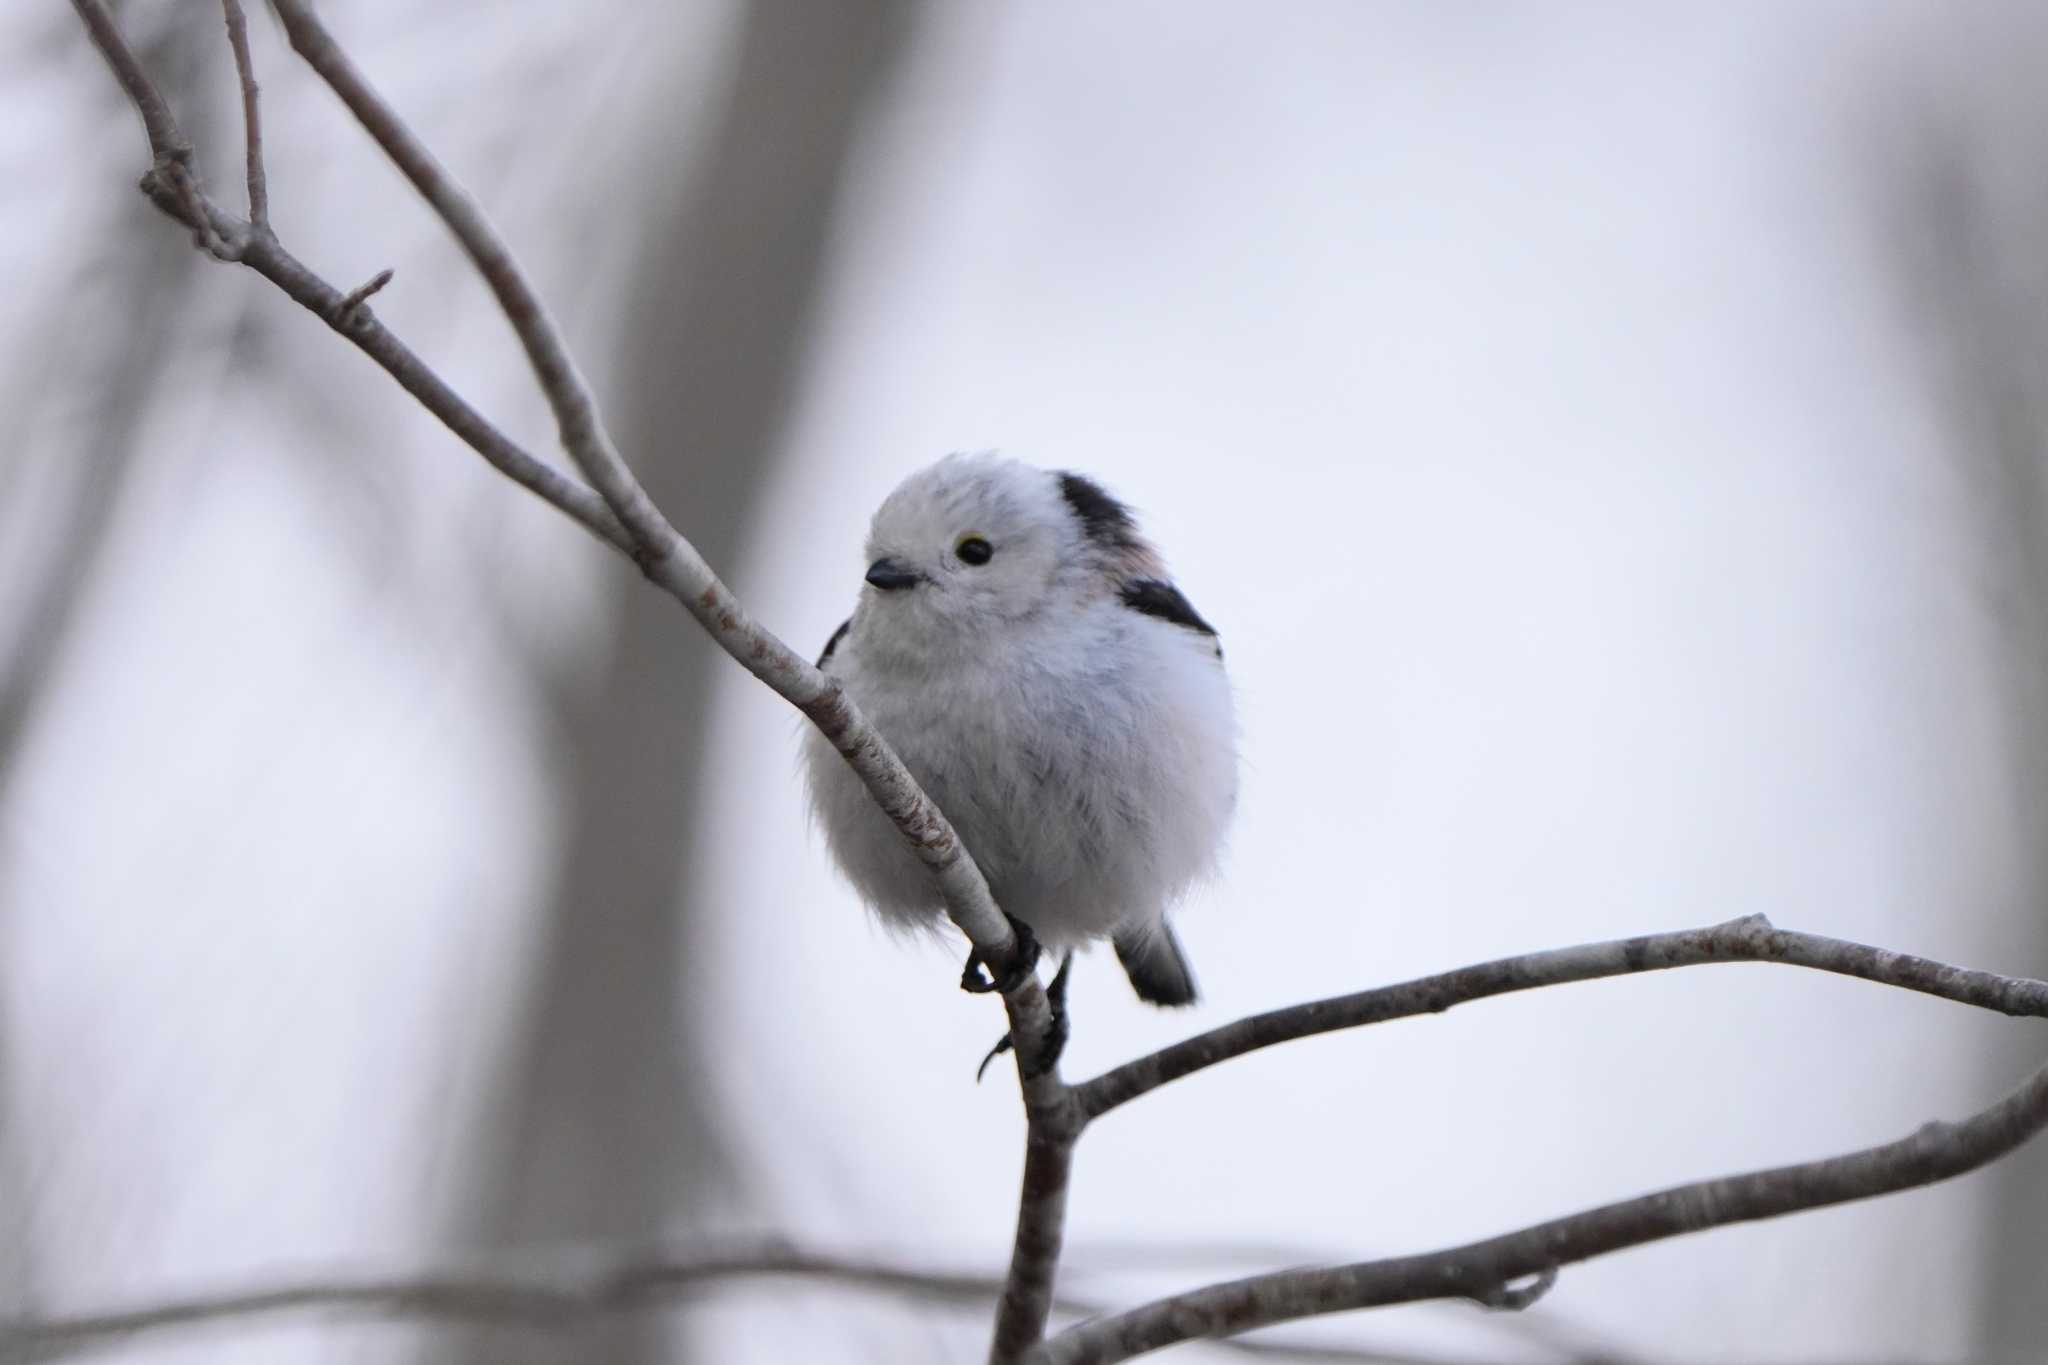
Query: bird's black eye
[(974, 550)]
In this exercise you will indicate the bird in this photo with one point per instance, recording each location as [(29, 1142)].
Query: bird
[(1021, 646)]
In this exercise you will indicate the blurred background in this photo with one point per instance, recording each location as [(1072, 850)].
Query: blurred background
[(1608, 437)]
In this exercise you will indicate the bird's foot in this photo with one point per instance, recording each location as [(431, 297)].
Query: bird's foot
[(1055, 1032), (976, 979)]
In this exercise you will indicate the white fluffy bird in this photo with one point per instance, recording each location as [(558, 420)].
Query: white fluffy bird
[(1021, 647)]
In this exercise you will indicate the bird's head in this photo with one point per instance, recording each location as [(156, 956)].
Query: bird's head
[(976, 544)]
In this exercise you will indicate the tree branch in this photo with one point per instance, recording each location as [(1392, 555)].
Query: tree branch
[(555, 1299), (582, 430), (166, 139), (1487, 1271), (620, 513), (558, 1298), (172, 155), (632, 524), (669, 560), (1936, 1152), (1027, 1301), (1751, 939)]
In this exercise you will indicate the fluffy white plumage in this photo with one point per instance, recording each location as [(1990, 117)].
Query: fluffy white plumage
[(1056, 696)]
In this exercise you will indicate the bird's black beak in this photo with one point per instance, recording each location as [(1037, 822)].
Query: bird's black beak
[(890, 574)]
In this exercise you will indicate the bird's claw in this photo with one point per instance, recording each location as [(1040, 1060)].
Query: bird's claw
[(975, 977), (1055, 1033), (1002, 1046)]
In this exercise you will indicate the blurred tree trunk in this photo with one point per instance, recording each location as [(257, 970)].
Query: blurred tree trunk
[(83, 403), (1970, 171), (602, 1127)]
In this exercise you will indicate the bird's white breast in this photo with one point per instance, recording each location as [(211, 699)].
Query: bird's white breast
[(1088, 764)]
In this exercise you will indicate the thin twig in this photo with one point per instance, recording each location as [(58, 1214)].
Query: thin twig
[(356, 297), (245, 73), (1936, 1152), (1751, 939)]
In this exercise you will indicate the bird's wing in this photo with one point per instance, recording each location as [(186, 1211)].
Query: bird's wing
[(833, 643), (1157, 597)]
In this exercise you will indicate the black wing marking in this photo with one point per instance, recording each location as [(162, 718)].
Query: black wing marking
[(1157, 597), (1104, 520), (833, 643)]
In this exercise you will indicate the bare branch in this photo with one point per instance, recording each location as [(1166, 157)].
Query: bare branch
[(1486, 1271), (560, 1298), (356, 297), (667, 559), (245, 72), (1751, 939), (173, 179), (181, 178), (632, 523), (582, 429), (1041, 1226), (635, 525), (172, 190), (554, 1300), (1478, 1269), (166, 139), (663, 554), (268, 258)]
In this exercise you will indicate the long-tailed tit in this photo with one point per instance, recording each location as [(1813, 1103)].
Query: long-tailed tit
[(1021, 647)]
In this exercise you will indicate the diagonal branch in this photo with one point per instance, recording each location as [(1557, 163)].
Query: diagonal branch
[(1751, 939), (582, 429), (1938, 1151), (166, 139), (620, 512), (172, 169), (669, 560)]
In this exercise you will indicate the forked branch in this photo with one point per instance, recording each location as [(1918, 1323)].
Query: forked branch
[(1483, 1270), (1936, 1152), (619, 512)]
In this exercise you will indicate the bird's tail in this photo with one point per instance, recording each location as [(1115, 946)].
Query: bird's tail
[(1158, 969)]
